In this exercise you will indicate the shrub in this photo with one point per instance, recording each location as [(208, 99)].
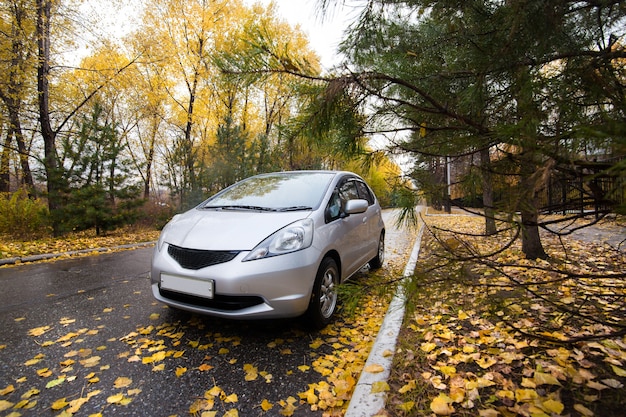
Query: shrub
[(155, 214), (22, 216)]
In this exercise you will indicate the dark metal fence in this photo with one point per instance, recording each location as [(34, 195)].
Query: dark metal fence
[(584, 187)]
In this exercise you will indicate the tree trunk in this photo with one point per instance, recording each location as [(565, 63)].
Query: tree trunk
[(148, 175), (27, 176), (15, 131), (13, 101), (5, 165), (487, 184), (147, 181), (49, 136), (531, 240)]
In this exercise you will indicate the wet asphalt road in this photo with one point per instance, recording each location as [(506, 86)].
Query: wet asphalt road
[(105, 300), (72, 327)]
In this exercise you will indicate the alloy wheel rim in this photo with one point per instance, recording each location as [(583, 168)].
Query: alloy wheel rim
[(328, 295)]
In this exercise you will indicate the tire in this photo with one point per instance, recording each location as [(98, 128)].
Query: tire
[(324, 297), (379, 259)]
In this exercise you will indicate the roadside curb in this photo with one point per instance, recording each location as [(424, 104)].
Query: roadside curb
[(46, 256), (364, 403)]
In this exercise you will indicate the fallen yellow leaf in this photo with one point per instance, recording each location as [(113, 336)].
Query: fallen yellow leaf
[(618, 371), (59, 404), (440, 405), (411, 385), (5, 405), (596, 385), (28, 394), (90, 362), (374, 368), (407, 406), (553, 406), (122, 382), (380, 386), (213, 392), (525, 395), (116, 398), (232, 398), (9, 389), (32, 362), (55, 382), (205, 367), (76, 404), (427, 347), (38, 331), (583, 410), (266, 405), (485, 362), (542, 378), (180, 371)]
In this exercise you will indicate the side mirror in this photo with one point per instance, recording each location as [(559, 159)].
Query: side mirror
[(355, 206)]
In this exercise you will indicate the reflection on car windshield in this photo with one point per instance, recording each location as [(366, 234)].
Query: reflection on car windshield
[(274, 192)]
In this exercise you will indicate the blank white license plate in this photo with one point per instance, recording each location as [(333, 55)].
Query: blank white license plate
[(200, 288)]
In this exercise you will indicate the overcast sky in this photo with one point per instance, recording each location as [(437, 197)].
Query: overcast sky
[(324, 35)]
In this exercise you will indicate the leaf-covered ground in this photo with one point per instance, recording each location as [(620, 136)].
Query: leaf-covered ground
[(501, 337), (506, 336), (73, 242)]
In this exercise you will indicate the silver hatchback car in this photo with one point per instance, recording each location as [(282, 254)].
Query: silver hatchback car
[(273, 245)]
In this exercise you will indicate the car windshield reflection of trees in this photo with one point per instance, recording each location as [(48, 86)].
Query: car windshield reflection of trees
[(286, 192)]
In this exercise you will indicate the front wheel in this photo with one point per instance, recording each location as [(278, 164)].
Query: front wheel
[(324, 297), (378, 260)]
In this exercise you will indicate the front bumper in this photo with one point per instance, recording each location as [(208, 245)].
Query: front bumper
[(276, 287)]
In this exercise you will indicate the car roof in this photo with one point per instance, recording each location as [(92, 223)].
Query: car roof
[(312, 171)]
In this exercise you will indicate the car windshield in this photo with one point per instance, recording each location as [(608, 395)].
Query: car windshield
[(274, 192)]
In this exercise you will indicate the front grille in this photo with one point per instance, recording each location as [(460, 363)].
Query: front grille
[(220, 302), (198, 259)]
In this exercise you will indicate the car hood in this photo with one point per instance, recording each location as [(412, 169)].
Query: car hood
[(226, 230)]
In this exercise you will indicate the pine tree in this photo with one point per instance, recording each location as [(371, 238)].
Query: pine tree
[(100, 195)]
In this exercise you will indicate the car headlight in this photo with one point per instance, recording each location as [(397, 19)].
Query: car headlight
[(161, 240), (291, 238)]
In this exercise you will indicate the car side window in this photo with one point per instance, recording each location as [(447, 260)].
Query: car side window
[(364, 192), (348, 191), (334, 207), (344, 192)]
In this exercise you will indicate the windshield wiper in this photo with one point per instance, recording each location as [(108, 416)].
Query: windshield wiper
[(239, 207), (295, 208)]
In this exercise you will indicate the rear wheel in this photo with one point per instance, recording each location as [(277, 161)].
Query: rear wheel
[(378, 260), (324, 298)]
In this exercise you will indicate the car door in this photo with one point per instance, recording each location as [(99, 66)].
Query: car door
[(355, 229), (372, 219)]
